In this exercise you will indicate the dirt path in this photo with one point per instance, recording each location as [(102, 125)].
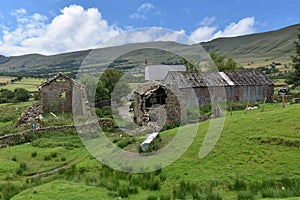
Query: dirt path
[(50, 171), (124, 112)]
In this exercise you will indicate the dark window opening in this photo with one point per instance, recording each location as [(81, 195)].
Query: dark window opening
[(157, 97)]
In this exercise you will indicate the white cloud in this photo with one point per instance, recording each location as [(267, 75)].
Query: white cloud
[(207, 21), (73, 29), (243, 27), (207, 32), (145, 7), (137, 16), (203, 33), (143, 10), (76, 28)]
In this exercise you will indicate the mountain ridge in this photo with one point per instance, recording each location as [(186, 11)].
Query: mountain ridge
[(268, 46)]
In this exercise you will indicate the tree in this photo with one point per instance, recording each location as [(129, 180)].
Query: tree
[(21, 95), (6, 96), (294, 77), (110, 83), (189, 67), (222, 62)]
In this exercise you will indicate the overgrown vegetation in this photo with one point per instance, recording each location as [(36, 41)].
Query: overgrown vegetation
[(251, 160), (294, 78), (17, 95)]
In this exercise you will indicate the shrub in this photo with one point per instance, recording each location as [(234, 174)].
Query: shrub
[(33, 154), (19, 171), (53, 154), (48, 157), (23, 166), (125, 142), (14, 158)]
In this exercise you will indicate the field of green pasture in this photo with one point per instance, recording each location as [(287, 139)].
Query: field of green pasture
[(256, 156), (30, 84)]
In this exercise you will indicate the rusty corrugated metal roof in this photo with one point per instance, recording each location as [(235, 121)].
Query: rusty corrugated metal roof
[(249, 77), (195, 79), (215, 79)]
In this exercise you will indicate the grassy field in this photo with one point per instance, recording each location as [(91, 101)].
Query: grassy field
[(6, 79), (30, 84), (256, 156)]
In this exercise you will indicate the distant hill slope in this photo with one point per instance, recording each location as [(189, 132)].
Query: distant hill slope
[(261, 46), (269, 46)]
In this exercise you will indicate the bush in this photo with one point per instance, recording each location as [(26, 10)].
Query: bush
[(125, 142), (23, 166), (105, 112), (21, 95), (14, 158), (48, 157), (53, 154), (33, 154)]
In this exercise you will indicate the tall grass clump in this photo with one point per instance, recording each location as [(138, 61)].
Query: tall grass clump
[(9, 190), (189, 190)]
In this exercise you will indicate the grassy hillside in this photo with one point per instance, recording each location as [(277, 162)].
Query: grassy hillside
[(256, 156), (269, 46), (257, 49)]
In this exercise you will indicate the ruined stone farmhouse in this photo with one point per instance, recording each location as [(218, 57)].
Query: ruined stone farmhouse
[(154, 102), (182, 89), (209, 87), (63, 94)]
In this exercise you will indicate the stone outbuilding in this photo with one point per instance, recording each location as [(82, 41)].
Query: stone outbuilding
[(154, 102), (210, 87), (63, 94)]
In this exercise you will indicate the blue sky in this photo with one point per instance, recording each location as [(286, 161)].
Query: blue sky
[(56, 26)]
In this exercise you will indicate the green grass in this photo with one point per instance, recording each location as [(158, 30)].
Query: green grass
[(256, 149), (61, 189), (30, 84)]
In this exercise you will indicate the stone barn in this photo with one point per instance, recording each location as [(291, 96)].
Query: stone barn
[(57, 95), (154, 102), (200, 88)]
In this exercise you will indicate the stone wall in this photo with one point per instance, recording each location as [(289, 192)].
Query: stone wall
[(29, 135), (31, 115)]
